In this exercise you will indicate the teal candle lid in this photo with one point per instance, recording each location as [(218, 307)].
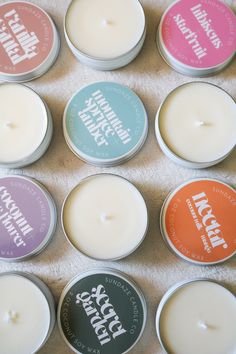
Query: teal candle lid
[(105, 124), (101, 311)]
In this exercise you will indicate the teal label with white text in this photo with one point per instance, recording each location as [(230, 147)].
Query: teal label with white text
[(105, 121)]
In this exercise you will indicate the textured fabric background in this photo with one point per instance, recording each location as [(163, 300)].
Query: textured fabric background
[(152, 266)]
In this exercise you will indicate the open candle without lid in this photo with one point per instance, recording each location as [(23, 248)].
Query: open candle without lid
[(196, 125), (25, 319), (24, 125), (197, 317), (105, 30), (105, 217)]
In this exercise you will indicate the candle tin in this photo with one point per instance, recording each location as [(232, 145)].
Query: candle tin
[(167, 297), (86, 253), (197, 38), (111, 63), (101, 311), (27, 218), (105, 124), (29, 41), (198, 221), (42, 148), (46, 293), (167, 150)]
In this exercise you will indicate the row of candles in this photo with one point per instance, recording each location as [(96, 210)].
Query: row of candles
[(106, 124)]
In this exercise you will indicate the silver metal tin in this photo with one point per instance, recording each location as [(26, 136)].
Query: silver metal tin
[(167, 296), (165, 236), (181, 67), (108, 271), (106, 64), (46, 64), (100, 161), (42, 148), (68, 238), (52, 226), (169, 153), (48, 296)]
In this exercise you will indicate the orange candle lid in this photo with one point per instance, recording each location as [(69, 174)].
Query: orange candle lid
[(198, 221)]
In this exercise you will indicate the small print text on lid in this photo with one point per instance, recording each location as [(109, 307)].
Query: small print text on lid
[(102, 310), (105, 124), (197, 38), (198, 221), (29, 42)]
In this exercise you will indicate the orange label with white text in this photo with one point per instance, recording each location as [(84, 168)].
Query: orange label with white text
[(199, 221)]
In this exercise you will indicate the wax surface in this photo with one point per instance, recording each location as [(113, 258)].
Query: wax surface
[(31, 317), (193, 308), (198, 122), (23, 122), (105, 217), (105, 28)]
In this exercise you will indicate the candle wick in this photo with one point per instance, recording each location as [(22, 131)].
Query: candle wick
[(203, 325), (106, 22), (9, 125), (200, 123), (105, 217), (10, 317)]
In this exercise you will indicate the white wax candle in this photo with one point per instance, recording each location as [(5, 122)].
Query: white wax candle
[(105, 29), (105, 217), (24, 315), (23, 122), (197, 122), (199, 318)]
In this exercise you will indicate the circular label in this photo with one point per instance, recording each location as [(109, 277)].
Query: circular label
[(25, 217), (198, 221), (199, 33), (26, 37), (101, 313), (105, 121)]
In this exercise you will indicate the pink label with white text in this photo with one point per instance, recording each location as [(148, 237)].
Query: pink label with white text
[(26, 37), (199, 33)]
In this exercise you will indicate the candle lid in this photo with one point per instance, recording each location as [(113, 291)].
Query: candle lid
[(27, 218), (104, 311), (197, 38), (198, 221), (105, 124), (29, 42)]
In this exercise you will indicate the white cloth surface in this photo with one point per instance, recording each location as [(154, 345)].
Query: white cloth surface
[(152, 266)]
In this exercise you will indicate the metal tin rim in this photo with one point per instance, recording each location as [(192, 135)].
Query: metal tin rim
[(181, 67), (116, 63), (106, 60), (167, 296), (33, 157), (105, 162), (112, 164), (85, 254), (47, 294), (164, 234), (102, 270), (165, 148), (53, 220), (46, 64)]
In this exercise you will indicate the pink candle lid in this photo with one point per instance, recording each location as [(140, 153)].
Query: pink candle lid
[(197, 37), (29, 42)]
